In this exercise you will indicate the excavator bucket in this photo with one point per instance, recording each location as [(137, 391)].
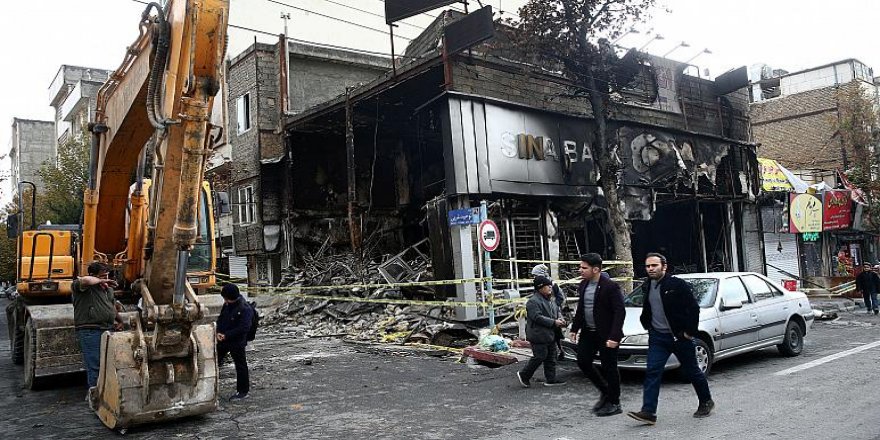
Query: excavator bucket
[(134, 389)]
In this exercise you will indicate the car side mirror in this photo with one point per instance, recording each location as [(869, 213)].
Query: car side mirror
[(12, 226), (728, 304)]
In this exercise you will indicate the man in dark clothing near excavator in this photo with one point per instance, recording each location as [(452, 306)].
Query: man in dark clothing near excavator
[(233, 326)]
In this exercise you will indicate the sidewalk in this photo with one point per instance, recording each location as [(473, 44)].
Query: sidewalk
[(835, 304)]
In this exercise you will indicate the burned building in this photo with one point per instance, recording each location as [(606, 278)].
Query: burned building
[(386, 162), (266, 83)]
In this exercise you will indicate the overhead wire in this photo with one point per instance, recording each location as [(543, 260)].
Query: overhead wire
[(311, 43), (338, 19), (370, 13)]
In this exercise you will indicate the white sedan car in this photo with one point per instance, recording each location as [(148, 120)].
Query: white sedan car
[(739, 312)]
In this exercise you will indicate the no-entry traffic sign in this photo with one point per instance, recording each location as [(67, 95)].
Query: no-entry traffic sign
[(489, 235)]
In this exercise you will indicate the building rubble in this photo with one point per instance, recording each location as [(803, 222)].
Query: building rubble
[(365, 321)]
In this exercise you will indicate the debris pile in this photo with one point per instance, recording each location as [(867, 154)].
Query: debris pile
[(375, 322), (325, 267)]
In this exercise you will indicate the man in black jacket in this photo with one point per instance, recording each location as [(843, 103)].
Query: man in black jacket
[(868, 283), (542, 317), (599, 319), (233, 326), (671, 316)]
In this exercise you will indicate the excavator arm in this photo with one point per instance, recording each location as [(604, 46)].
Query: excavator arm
[(156, 104)]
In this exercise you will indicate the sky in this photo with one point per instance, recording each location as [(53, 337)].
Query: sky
[(38, 36)]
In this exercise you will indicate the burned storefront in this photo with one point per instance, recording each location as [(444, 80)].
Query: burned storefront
[(378, 170)]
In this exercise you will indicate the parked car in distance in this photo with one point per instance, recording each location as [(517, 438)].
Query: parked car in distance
[(740, 312), (10, 292)]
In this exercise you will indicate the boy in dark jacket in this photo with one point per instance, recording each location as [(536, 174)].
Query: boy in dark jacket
[(542, 317), (671, 315), (233, 326)]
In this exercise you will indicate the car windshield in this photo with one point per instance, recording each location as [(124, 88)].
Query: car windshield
[(704, 291)]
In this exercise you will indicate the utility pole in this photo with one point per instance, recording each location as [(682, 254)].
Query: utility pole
[(286, 106)]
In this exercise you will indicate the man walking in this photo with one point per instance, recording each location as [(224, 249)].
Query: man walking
[(868, 283), (233, 326), (599, 319), (671, 315), (559, 298), (542, 317)]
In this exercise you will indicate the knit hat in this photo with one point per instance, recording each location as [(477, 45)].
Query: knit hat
[(230, 292), (541, 281), (541, 270)]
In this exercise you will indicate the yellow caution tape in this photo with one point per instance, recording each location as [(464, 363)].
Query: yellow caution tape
[(434, 347), (604, 263), (571, 281), (404, 302), (393, 337), (374, 285)]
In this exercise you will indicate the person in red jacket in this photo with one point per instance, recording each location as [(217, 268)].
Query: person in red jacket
[(599, 320), (233, 326)]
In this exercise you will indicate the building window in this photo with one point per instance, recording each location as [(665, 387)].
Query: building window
[(247, 207), (243, 109)]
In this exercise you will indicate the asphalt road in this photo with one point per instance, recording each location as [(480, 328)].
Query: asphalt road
[(328, 389)]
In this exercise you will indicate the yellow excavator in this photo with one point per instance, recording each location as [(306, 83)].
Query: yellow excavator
[(156, 233)]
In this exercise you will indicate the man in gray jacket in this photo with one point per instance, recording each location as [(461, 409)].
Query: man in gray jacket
[(542, 318)]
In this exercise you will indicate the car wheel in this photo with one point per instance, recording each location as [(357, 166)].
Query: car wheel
[(704, 355), (793, 344)]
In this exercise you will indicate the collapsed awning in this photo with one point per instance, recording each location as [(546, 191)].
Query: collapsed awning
[(777, 178)]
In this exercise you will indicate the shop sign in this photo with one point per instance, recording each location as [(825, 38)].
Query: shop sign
[(772, 177), (836, 210), (809, 237), (805, 213)]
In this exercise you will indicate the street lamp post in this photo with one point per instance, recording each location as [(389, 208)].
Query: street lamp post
[(704, 51), (680, 45), (656, 37), (629, 31)]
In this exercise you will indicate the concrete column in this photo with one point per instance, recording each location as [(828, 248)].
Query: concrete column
[(463, 262)]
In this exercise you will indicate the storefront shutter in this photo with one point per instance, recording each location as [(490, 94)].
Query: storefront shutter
[(753, 253), (787, 260), (238, 267)]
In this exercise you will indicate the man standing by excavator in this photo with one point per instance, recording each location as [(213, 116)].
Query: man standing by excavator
[(94, 312), (233, 326)]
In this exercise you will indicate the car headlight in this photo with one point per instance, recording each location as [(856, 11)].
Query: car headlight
[(641, 339)]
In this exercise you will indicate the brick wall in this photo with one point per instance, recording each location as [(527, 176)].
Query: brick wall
[(703, 112), (246, 75), (798, 129), (315, 81)]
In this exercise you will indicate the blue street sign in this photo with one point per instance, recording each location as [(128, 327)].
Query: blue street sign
[(466, 216)]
